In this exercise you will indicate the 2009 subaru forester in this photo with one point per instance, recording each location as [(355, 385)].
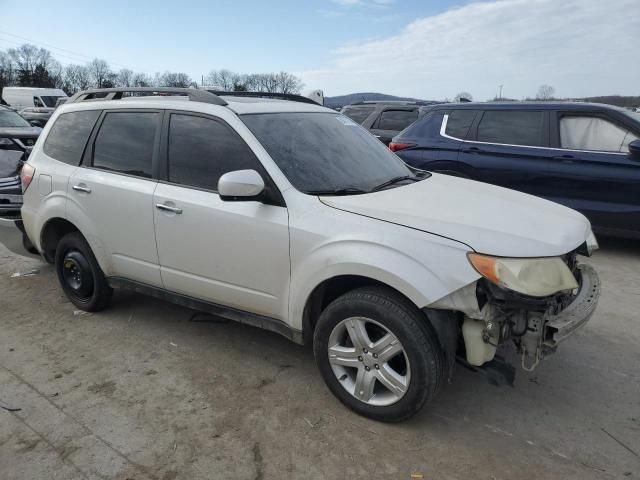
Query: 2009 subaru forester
[(290, 217)]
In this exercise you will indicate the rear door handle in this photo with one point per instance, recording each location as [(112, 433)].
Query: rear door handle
[(168, 208), (81, 188), (472, 150)]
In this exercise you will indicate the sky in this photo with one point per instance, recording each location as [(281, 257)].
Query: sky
[(419, 48)]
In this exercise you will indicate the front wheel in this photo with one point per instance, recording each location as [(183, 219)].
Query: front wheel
[(378, 354)]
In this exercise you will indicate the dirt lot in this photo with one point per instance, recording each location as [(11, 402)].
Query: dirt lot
[(147, 390)]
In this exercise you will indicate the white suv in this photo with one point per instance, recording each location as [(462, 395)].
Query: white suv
[(291, 217)]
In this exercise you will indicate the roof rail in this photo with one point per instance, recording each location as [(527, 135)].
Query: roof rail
[(194, 94), (278, 96)]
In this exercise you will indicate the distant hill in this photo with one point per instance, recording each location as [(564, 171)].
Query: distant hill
[(342, 100)]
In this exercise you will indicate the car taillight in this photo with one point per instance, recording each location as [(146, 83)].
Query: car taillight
[(26, 175), (396, 147)]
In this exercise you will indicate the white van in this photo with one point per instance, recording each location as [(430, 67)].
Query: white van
[(22, 97)]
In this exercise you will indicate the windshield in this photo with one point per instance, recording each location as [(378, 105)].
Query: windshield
[(635, 116), (49, 101), (325, 152), (12, 119)]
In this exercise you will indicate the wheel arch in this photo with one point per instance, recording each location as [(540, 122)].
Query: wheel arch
[(52, 231)]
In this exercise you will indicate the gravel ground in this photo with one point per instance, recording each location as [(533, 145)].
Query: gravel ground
[(147, 390)]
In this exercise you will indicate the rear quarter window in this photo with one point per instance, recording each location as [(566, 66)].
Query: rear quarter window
[(358, 114), (397, 120), (459, 122), (69, 134)]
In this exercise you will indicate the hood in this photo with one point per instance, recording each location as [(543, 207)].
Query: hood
[(489, 219)]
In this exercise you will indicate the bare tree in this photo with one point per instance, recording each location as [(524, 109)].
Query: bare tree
[(7, 70), (463, 96), (288, 83), (124, 78), (28, 60), (141, 80), (101, 74), (545, 92), (224, 79), (76, 78), (56, 74), (174, 79)]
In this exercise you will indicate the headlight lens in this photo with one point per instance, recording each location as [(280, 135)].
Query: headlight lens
[(536, 277)]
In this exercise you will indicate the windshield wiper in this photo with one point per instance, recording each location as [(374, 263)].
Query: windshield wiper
[(338, 191), (395, 180)]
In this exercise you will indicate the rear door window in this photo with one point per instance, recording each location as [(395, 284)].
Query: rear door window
[(358, 114), (125, 143), (69, 134), (396, 119), (514, 127), (459, 122), (594, 133), (201, 150)]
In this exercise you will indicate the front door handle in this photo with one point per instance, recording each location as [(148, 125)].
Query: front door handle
[(81, 188), (168, 208), (565, 158)]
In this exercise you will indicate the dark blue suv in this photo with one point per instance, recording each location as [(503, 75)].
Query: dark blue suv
[(585, 156)]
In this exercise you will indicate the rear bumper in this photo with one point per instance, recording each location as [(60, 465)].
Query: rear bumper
[(578, 312)]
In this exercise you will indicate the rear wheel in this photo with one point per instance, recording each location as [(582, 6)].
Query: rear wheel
[(377, 353), (79, 274)]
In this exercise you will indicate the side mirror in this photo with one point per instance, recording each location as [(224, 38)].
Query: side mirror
[(634, 149), (240, 185)]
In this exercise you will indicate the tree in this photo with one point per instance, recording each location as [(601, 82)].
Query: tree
[(545, 92), (462, 96), (7, 70), (141, 80), (76, 78), (173, 79), (31, 64), (101, 74), (124, 78), (223, 79), (288, 83)]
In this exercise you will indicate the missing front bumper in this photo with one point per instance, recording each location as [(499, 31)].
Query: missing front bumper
[(579, 311), (545, 331)]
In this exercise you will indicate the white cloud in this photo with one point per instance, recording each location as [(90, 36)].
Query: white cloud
[(581, 47)]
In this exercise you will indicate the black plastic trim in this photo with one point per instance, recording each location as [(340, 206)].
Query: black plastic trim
[(247, 318)]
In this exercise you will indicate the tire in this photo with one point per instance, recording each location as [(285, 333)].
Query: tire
[(418, 368), (79, 274)]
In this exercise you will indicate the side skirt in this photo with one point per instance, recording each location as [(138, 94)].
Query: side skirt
[(253, 319)]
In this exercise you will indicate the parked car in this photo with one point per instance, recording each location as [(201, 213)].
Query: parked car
[(17, 138), (385, 119), (582, 155), (291, 217)]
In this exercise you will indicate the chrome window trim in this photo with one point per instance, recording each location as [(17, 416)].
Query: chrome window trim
[(443, 127)]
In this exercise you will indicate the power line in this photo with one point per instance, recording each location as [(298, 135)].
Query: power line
[(85, 58)]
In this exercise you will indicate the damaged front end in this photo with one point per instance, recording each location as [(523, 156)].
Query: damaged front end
[(494, 315)]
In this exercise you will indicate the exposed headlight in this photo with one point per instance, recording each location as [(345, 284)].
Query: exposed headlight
[(536, 277)]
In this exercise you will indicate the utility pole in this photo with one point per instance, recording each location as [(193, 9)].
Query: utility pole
[(500, 96)]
